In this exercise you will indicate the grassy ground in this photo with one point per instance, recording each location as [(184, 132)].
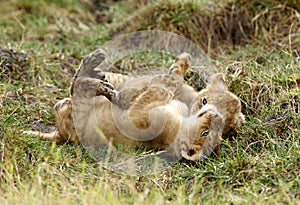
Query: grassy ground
[(260, 58)]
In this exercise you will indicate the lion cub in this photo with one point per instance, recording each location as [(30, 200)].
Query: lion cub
[(155, 115)]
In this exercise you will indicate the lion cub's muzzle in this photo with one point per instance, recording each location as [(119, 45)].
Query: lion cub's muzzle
[(208, 137)]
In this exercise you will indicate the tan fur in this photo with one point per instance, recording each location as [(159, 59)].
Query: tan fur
[(154, 121), (228, 104), (149, 111), (181, 64), (131, 87)]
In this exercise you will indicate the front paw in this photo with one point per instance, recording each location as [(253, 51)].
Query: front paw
[(181, 64), (106, 89)]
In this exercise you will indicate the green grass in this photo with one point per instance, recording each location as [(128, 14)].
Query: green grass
[(259, 166)]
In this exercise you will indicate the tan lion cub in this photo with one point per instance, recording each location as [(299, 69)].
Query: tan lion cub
[(155, 115)]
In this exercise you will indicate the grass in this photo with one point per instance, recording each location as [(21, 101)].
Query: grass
[(259, 166)]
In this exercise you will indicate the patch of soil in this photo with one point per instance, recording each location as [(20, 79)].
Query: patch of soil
[(68, 65), (12, 63)]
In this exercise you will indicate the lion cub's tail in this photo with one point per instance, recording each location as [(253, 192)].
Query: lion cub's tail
[(52, 136)]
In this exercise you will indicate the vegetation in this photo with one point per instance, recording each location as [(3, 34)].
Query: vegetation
[(255, 43)]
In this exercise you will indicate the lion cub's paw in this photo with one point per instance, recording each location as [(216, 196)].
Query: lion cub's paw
[(167, 82), (62, 103), (181, 64), (106, 89), (94, 59), (90, 63)]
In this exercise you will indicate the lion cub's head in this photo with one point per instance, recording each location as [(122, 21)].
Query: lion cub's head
[(228, 104), (205, 134)]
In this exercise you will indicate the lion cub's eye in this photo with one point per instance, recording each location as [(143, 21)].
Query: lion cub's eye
[(205, 133), (204, 101)]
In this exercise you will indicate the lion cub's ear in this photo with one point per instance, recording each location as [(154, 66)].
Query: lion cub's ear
[(217, 82)]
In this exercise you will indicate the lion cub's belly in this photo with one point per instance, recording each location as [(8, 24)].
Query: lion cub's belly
[(108, 123)]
